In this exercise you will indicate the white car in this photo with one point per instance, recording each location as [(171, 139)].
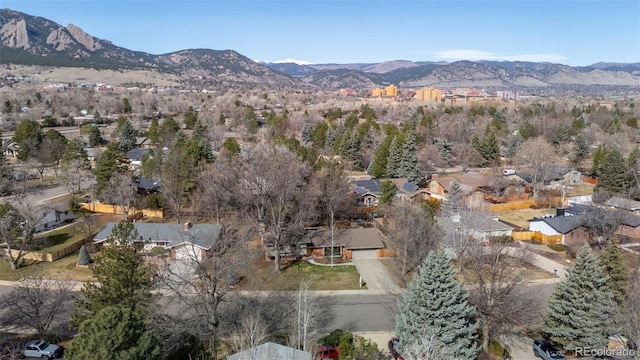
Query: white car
[(41, 349)]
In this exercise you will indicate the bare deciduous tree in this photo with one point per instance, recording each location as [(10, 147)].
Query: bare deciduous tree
[(306, 316), (539, 156), (497, 276), (413, 232), (122, 192), (602, 224), (17, 227), (37, 302), (200, 286), (251, 332), (425, 347)]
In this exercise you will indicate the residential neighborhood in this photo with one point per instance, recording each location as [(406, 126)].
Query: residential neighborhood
[(202, 205)]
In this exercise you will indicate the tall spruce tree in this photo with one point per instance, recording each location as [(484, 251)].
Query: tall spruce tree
[(436, 300), (395, 157), (122, 274), (409, 162), (614, 177), (580, 149), (379, 163), (582, 308), (613, 266)]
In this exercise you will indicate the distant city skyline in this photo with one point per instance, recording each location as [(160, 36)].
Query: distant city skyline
[(571, 32)]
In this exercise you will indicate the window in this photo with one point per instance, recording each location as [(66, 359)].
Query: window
[(336, 251)]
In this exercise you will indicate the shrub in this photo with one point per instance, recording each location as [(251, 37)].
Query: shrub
[(556, 247), (83, 256), (333, 339), (159, 250)]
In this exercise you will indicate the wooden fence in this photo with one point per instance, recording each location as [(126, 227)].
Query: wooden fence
[(526, 204), (114, 209), (51, 256), (536, 235)]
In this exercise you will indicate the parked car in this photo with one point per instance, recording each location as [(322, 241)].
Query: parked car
[(41, 349), (327, 352), (544, 350)]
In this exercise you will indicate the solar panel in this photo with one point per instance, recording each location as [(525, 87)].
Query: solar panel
[(409, 187)]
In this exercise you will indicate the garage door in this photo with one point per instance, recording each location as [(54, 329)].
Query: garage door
[(187, 252), (364, 254)]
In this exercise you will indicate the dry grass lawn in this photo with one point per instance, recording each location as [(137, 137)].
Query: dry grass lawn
[(520, 217), (260, 276)]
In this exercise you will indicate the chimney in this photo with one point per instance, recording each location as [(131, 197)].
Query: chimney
[(187, 226), (434, 176), (560, 211)]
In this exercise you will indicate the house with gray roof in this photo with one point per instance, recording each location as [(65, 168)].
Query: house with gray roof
[(185, 241), (624, 204)]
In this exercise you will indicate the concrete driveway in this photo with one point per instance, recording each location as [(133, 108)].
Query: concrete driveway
[(376, 276)]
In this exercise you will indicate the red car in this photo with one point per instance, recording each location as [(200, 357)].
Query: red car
[(326, 352)]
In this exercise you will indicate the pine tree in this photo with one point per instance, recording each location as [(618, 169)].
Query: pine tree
[(435, 300), (127, 135), (489, 148), (613, 173), (122, 274), (582, 307), (580, 149), (387, 192), (395, 157), (154, 132), (598, 157), (95, 137), (83, 256), (409, 163), (306, 133), (115, 332), (379, 163), (613, 266), (514, 145), (107, 165)]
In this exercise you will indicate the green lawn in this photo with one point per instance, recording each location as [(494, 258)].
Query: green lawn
[(60, 238), (62, 269)]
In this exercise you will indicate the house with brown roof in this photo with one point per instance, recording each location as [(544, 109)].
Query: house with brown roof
[(352, 243), (473, 184)]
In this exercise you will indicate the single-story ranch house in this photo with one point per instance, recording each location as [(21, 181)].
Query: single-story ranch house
[(185, 241)]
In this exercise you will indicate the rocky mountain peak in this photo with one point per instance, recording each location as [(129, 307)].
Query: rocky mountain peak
[(83, 38), (14, 34)]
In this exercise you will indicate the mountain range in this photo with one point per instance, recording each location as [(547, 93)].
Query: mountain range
[(32, 40)]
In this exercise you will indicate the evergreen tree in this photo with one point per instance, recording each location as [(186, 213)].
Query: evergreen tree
[(306, 133), (190, 118), (387, 192), (582, 307), (379, 163), (95, 137), (154, 132), (633, 167), (395, 157), (115, 332), (514, 145), (598, 157), (351, 149), (122, 274), (28, 137), (489, 148), (409, 163), (319, 135), (614, 177), (83, 257), (580, 149), (436, 300), (613, 266), (107, 165), (231, 146), (127, 135)]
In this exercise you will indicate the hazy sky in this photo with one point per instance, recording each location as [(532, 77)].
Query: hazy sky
[(572, 32)]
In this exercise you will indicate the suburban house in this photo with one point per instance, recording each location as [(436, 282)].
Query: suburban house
[(489, 227), (185, 241), (352, 243), (568, 225), (368, 190), (10, 149), (628, 205), (147, 185), (135, 157), (629, 224), (53, 215), (269, 351), (556, 176), (473, 184)]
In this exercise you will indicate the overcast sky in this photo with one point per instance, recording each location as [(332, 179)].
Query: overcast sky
[(571, 32)]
